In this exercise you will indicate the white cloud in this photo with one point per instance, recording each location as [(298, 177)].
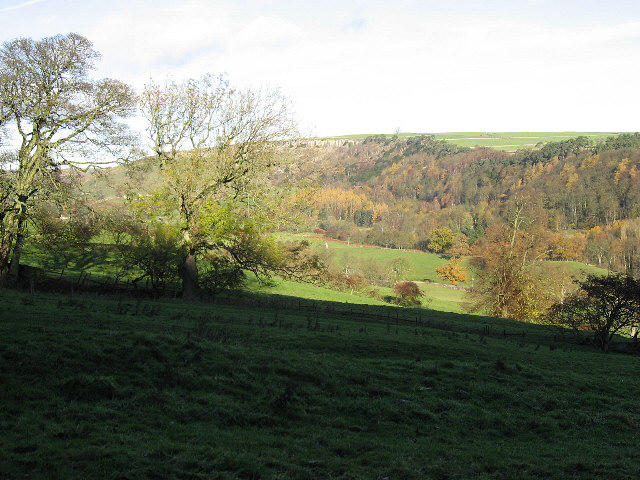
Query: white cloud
[(371, 67), (267, 32), (162, 40)]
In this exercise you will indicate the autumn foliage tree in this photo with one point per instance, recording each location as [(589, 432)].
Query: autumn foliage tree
[(509, 285), (453, 272), (441, 239)]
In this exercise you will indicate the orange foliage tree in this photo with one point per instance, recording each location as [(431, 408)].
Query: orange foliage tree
[(508, 285), (453, 272)]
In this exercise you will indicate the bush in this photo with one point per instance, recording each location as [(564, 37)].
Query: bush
[(374, 293), (407, 294), (221, 274), (357, 281), (152, 252), (343, 283), (453, 272)]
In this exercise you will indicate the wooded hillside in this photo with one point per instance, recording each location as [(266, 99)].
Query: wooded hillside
[(395, 192)]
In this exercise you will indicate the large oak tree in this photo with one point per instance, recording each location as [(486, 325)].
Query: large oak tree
[(213, 145), (58, 116)]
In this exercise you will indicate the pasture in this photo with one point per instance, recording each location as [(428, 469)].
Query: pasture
[(507, 141), (420, 266), (117, 387)]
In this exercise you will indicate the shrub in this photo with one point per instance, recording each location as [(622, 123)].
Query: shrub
[(407, 294), (221, 274), (374, 293), (453, 272), (356, 281)]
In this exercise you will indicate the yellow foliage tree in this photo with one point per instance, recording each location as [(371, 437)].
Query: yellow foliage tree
[(453, 272)]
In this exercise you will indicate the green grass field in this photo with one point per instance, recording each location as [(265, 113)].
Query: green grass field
[(309, 292), (507, 141), (421, 268), (436, 297), (422, 265), (118, 388), (579, 268)]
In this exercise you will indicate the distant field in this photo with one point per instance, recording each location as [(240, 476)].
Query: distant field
[(507, 141), (422, 268), (578, 268), (422, 264), (310, 292), (436, 297)]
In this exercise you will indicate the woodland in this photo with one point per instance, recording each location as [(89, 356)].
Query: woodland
[(210, 192)]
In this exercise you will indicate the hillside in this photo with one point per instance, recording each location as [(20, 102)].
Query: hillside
[(394, 192), (114, 388)]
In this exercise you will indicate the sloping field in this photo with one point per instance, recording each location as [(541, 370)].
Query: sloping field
[(421, 265), (117, 388), (421, 268)]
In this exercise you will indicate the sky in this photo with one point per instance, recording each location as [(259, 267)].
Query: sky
[(377, 66)]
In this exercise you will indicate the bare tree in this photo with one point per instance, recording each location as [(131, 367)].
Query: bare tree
[(60, 116), (212, 142)]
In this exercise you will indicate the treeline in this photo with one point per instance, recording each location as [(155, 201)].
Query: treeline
[(581, 190), (396, 150)]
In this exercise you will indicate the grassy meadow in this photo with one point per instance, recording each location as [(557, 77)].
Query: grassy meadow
[(421, 266), (436, 296), (121, 388), (507, 141)]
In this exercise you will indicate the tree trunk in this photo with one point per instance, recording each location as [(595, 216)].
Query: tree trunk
[(14, 268), (5, 249), (4, 271), (5, 257), (189, 274)]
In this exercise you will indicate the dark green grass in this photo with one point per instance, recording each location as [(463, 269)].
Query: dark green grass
[(121, 388)]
